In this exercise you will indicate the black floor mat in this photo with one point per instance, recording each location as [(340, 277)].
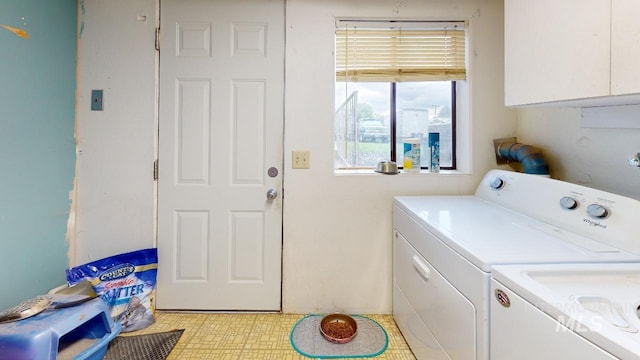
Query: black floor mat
[(143, 347)]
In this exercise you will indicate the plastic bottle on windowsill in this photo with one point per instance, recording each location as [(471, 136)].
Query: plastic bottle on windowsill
[(411, 155)]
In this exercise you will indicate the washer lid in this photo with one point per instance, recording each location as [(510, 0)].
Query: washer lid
[(598, 302), (487, 234)]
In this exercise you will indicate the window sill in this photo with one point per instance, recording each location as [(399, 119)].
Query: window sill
[(370, 172)]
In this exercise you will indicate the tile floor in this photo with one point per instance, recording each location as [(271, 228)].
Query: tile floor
[(251, 336)]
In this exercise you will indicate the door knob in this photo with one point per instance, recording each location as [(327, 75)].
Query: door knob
[(272, 194)]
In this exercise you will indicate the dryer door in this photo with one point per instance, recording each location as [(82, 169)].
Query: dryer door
[(446, 313)]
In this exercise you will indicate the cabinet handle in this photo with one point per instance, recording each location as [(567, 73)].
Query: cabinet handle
[(421, 268)]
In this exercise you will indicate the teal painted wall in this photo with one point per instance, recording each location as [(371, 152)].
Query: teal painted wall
[(37, 147)]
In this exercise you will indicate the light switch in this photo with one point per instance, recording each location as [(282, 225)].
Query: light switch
[(96, 100)]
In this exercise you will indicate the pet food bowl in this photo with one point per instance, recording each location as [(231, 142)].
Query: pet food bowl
[(338, 328), (387, 167)]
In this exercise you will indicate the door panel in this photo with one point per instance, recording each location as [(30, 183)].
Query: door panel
[(192, 135), (221, 121)]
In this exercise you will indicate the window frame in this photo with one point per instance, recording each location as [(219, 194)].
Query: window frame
[(459, 102), (393, 127)]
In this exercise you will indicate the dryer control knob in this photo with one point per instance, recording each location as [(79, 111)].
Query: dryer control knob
[(496, 183), (568, 203), (597, 211)]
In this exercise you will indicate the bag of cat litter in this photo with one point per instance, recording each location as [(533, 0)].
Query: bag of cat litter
[(126, 282)]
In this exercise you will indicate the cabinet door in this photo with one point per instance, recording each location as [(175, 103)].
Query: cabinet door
[(556, 50), (625, 47)]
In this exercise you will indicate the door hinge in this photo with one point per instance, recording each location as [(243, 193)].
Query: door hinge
[(157, 39), (155, 170)]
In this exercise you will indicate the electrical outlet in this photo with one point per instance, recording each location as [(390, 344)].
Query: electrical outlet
[(300, 159)]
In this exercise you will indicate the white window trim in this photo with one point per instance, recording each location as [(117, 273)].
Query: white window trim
[(463, 145), (464, 126)]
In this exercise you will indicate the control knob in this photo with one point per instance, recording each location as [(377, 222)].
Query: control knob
[(496, 183), (568, 203), (597, 211)]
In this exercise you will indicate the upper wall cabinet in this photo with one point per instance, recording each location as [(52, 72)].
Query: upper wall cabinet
[(582, 51), (625, 47)]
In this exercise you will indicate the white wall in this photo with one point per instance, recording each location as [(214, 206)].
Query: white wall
[(337, 229), (115, 147), (591, 157)]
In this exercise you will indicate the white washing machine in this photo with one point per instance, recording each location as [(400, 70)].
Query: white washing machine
[(565, 311), (445, 248)]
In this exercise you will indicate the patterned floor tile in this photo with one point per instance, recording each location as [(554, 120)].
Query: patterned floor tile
[(223, 331), (251, 336), (271, 332), (271, 355), (397, 354), (217, 354)]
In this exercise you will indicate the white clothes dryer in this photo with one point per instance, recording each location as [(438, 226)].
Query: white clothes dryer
[(445, 247)]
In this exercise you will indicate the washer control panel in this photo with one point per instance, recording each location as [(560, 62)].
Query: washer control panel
[(569, 203), (597, 211), (599, 215), (496, 183)]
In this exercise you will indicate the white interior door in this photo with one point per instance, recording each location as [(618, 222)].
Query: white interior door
[(220, 131)]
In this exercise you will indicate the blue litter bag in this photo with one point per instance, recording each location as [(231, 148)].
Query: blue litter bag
[(126, 282)]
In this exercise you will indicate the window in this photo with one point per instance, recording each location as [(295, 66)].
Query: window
[(396, 80)]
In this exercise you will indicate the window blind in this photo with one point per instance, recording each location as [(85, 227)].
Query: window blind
[(397, 52)]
